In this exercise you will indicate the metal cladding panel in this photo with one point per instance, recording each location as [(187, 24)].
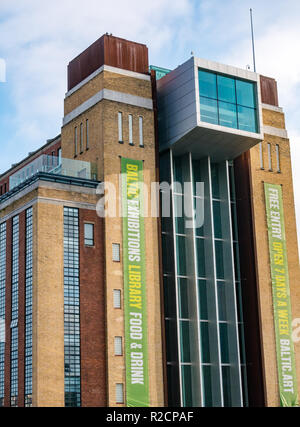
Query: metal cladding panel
[(269, 93), (177, 105), (108, 50)]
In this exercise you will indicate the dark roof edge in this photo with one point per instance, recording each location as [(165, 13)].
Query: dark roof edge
[(43, 176)]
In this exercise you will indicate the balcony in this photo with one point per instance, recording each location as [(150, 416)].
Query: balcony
[(56, 166)]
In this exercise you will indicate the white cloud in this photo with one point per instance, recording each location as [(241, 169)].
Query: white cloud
[(39, 38)]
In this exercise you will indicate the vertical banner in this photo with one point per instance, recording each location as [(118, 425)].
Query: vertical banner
[(281, 296), (136, 344)]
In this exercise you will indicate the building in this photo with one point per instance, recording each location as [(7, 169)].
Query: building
[(152, 310)]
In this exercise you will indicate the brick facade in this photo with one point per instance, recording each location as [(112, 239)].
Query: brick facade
[(92, 314), (265, 300)]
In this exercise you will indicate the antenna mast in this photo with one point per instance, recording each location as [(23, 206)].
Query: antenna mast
[(252, 33)]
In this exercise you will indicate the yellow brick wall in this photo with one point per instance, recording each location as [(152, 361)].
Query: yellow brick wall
[(111, 81), (258, 177), (48, 306), (106, 150), (273, 118), (113, 230), (48, 286)]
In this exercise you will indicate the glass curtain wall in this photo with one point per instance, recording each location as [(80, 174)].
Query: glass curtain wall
[(71, 308), (28, 308), (14, 314), (227, 101), (2, 307), (203, 313)]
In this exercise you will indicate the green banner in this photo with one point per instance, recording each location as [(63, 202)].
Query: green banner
[(136, 344), (281, 296)]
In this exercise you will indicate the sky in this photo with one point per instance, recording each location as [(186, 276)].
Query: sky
[(39, 38)]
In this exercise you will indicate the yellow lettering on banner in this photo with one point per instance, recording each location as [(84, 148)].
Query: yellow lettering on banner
[(135, 301), (132, 167), (283, 322)]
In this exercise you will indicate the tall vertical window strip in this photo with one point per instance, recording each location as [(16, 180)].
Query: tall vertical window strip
[(277, 158), (71, 308), (130, 120), (261, 155), (227, 101), (81, 138), (28, 308), (2, 307), (213, 254), (87, 134), (14, 314), (141, 131), (75, 142), (120, 126), (270, 157)]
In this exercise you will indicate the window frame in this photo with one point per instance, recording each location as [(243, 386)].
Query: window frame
[(120, 127), (86, 239), (141, 131), (130, 129), (115, 291)]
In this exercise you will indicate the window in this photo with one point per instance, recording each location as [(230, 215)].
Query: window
[(116, 252), (87, 134), (141, 132), (120, 126), (227, 101), (72, 309), (117, 298), (81, 138), (118, 346), (89, 234), (75, 142), (261, 155), (277, 158), (119, 393), (28, 308), (3, 259), (14, 344), (130, 129), (270, 157)]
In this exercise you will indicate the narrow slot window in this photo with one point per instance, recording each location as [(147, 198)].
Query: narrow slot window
[(87, 135), (261, 155), (130, 129), (75, 142), (278, 158), (270, 157), (120, 126), (141, 131), (81, 138)]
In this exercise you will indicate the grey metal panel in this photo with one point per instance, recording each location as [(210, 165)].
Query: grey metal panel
[(204, 141), (177, 102), (178, 93)]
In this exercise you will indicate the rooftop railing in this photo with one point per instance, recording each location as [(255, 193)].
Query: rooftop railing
[(56, 166)]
